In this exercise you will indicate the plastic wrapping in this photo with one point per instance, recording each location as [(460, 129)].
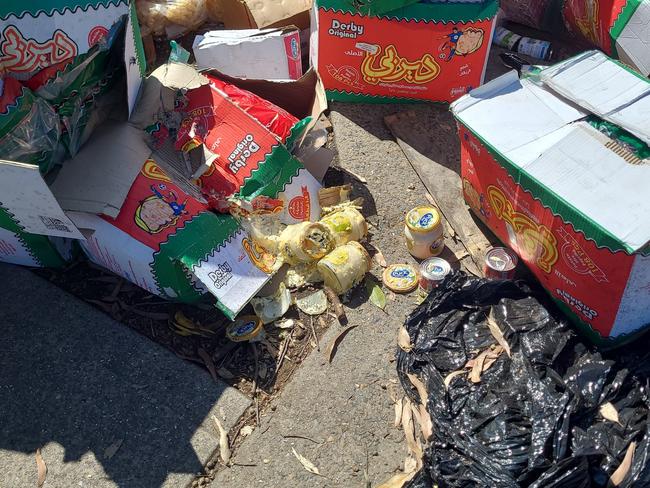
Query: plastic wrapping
[(157, 15), (73, 87), (533, 419), (275, 119), (29, 127)]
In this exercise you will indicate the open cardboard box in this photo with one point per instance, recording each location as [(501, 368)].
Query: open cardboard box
[(145, 220), (572, 202)]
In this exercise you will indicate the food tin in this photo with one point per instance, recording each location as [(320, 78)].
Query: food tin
[(432, 272), (400, 278), (424, 232), (344, 267), (346, 225), (245, 328), (500, 264)]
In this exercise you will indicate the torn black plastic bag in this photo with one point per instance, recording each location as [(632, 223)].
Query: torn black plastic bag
[(532, 419)]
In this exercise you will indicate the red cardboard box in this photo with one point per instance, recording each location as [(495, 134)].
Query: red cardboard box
[(570, 200), (435, 52)]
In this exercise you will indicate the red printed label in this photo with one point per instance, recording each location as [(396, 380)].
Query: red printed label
[(154, 207), (294, 61), (239, 142), (424, 60), (96, 34), (593, 19)]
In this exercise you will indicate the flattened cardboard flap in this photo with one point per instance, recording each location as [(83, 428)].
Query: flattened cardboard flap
[(605, 88), (98, 179), (25, 195)]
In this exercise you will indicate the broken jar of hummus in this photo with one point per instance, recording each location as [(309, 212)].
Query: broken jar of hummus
[(305, 242), (346, 224), (344, 267)]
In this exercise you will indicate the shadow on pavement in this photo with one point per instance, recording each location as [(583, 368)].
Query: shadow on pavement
[(72, 376)]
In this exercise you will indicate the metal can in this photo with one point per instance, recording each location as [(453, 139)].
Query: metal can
[(432, 272), (500, 263), (344, 267), (424, 232), (346, 225)]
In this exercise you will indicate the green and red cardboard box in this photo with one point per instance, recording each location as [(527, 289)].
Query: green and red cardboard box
[(571, 201), (420, 51), (130, 211)]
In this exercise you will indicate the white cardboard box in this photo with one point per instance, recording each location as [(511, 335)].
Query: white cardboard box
[(261, 54)]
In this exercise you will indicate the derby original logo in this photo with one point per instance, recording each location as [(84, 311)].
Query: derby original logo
[(349, 31)]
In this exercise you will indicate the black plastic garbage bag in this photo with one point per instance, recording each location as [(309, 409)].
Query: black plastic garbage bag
[(534, 419)]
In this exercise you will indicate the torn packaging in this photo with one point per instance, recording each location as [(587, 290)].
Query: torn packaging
[(247, 159), (170, 244)]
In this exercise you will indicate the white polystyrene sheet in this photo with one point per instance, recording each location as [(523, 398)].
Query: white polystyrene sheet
[(580, 170), (595, 82), (513, 113)]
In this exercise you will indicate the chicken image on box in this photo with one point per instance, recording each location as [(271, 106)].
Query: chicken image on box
[(569, 199), (262, 54), (435, 52)]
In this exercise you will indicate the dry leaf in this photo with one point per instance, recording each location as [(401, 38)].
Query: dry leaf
[(426, 425), (209, 363), (496, 332), (399, 404), (451, 376), (224, 446), (621, 472), (110, 451), (379, 257), (41, 468), (331, 350), (246, 430), (409, 430), (399, 480), (609, 412), (419, 386), (477, 367), (404, 340), (306, 463)]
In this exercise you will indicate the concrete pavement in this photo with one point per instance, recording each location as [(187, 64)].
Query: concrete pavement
[(108, 407)]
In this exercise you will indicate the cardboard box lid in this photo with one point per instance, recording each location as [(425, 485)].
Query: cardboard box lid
[(539, 138), (97, 180), (605, 88)]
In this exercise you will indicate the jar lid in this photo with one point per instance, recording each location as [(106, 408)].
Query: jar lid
[(400, 278), (244, 328), (424, 218)]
